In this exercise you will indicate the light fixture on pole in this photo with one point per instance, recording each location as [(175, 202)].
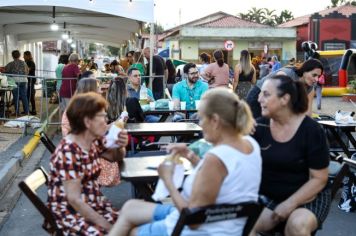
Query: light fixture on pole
[(54, 26), (65, 36)]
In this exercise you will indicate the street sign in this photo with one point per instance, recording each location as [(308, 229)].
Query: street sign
[(265, 48), (229, 45)]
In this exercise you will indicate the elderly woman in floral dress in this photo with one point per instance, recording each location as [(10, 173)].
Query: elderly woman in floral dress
[(74, 196)]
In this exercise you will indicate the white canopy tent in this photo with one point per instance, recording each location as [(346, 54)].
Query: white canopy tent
[(24, 24), (104, 20), (110, 22)]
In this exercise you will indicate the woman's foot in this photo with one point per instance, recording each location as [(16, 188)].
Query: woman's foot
[(33, 113)]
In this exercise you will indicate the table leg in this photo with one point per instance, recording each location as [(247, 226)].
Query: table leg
[(143, 191), (132, 142), (351, 138), (339, 140), (163, 118)]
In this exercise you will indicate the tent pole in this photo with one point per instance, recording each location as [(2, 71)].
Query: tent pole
[(152, 29)]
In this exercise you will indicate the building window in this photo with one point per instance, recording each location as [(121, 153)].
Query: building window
[(334, 46)]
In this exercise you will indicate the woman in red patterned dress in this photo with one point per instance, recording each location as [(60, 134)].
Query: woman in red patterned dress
[(74, 195)]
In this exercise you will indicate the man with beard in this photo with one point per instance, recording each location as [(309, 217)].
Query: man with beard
[(189, 90)]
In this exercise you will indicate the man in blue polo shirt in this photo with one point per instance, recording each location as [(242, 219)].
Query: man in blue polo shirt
[(133, 90), (188, 90)]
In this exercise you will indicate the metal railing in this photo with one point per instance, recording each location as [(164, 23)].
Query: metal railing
[(46, 96)]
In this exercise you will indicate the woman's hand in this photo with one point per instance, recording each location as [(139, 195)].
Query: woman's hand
[(253, 129), (283, 210), (123, 138), (180, 149), (165, 171)]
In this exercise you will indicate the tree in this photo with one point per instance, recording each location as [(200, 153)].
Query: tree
[(269, 17), (158, 28), (113, 51), (284, 16), (336, 3), (266, 16), (245, 16), (256, 14)]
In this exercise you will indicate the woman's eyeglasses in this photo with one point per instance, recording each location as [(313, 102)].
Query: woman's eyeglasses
[(105, 115)]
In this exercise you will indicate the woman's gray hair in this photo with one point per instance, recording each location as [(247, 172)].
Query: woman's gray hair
[(73, 57)]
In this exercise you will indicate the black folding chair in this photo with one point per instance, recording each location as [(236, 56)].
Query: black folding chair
[(47, 142), (29, 187), (221, 212)]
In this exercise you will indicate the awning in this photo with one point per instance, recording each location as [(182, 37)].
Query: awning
[(104, 21)]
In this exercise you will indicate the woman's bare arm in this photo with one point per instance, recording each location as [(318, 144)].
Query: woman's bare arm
[(317, 181), (208, 182), (236, 77), (254, 79)]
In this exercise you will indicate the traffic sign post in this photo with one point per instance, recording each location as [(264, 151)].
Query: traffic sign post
[(229, 45)]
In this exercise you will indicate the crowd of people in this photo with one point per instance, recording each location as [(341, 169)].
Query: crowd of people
[(18, 70), (267, 144)]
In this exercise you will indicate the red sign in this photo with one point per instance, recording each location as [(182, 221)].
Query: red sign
[(229, 45)]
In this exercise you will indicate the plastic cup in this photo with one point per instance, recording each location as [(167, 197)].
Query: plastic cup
[(152, 105), (183, 105), (197, 103), (170, 105)]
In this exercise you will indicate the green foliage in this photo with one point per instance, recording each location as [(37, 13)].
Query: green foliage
[(113, 51), (352, 86), (266, 16), (157, 27), (336, 3), (92, 47)]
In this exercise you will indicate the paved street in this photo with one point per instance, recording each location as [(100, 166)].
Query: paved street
[(25, 219)]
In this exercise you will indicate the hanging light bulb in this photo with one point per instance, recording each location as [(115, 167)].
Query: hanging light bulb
[(54, 26), (69, 40), (65, 36), (73, 45)]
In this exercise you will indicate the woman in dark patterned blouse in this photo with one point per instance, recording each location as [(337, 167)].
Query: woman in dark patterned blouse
[(74, 195)]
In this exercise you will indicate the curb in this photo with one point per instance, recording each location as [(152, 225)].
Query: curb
[(13, 166), (8, 171)]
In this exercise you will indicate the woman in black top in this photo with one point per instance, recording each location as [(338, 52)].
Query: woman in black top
[(295, 159), (308, 73), (31, 92), (171, 80), (244, 75)]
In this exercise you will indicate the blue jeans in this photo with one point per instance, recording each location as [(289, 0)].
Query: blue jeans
[(20, 93), (151, 119)]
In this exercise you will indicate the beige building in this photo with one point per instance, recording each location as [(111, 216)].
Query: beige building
[(215, 31)]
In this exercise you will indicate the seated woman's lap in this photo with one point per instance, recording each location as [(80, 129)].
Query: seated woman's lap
[(157, 227), (318, 208)]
